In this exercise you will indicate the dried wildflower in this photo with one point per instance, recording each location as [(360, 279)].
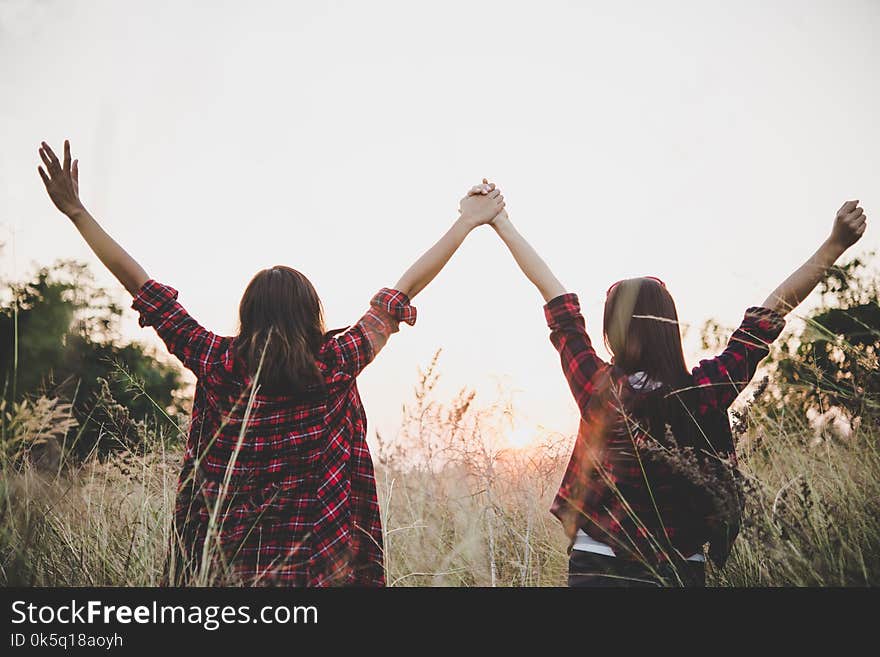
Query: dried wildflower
[(740, 422), (716, 479), (763, 384)]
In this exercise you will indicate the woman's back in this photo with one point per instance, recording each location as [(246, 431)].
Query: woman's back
[(650, 474), (276, 488)]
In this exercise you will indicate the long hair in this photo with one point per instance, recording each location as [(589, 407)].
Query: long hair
[(641, 331), (281, 322)]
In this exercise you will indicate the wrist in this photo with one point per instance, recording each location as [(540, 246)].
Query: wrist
[(77, 214), (502, 226), (834, 247), (466, 223)]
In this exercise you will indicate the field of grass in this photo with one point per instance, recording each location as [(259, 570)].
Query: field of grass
[(459, 507)]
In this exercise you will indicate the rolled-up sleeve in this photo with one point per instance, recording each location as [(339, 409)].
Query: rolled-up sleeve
[(196, 347), (568, 334), (362, 342), (722, 378), (396, 304)]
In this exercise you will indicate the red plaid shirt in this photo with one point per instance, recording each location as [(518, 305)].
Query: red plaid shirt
[(300, 506), (612, 489)]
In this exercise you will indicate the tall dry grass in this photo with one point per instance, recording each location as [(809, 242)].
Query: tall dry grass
[(813, 502), (460, 506)]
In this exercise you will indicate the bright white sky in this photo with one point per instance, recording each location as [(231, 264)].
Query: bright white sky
[(708, 143)]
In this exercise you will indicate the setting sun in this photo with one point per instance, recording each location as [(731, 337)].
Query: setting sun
[(494, 294)]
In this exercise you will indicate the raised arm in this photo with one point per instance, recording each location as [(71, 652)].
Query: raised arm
[(531, 264), (849, 226), (62, 183), (363, 341), (721, 379), (562, 310), (474, 210)]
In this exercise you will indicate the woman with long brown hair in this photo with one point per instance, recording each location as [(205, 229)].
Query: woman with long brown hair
[(277, 483), (652, 478)]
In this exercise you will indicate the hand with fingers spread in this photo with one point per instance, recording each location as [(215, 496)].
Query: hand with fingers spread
[(61, 179), (481, 204), (849, 224), (62, 183)]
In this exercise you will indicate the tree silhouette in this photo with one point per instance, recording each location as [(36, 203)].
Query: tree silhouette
[(834, 362), (59, 336)]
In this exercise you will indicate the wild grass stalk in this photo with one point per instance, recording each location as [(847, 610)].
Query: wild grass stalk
[(460, 506)]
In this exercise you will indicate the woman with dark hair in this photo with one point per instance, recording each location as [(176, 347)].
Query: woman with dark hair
[(277, 483), (653, 476)]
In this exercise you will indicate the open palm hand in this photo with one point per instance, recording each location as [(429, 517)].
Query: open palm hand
[(61, 179)]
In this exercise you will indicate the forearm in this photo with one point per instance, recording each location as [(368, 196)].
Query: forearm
[(798, 286), (125, 268), (423, 271), (531, 264)]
